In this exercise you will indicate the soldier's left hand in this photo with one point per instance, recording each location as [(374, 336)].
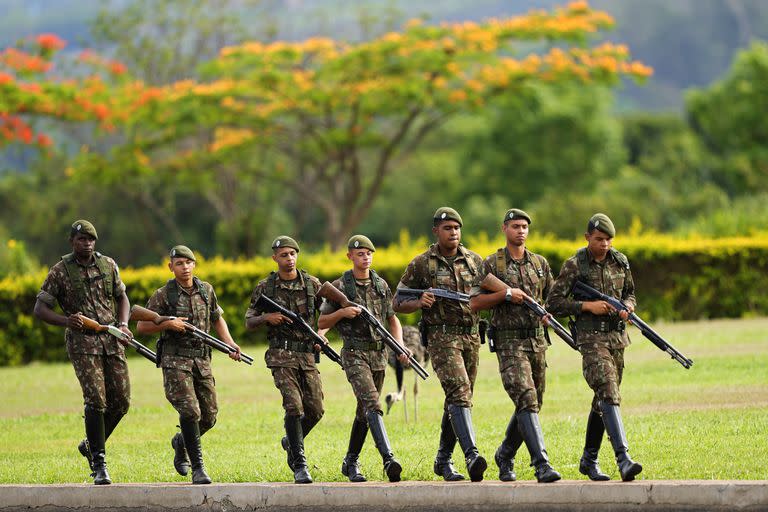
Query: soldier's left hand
[(235, 355), (405, 358), (126, 331), (546, 319), (624, 314)]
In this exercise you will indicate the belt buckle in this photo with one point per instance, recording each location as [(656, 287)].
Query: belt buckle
[(285, 344)]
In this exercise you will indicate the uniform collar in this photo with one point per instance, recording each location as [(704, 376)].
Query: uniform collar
[(461, 253)]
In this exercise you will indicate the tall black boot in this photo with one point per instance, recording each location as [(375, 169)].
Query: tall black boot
[(391, 466), (190, 431), (307, 424), (180, 458), (588, 465), (443, 464), (505, 454), (94, 432), (461, 419), (296, 444), (615, 428), (351, 465), (528, 423)]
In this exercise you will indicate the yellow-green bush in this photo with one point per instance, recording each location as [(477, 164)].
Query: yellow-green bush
[(675, 278)]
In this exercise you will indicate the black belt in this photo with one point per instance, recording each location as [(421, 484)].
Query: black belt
[(597, 324), (501, 335), (293, 346), (191, 352), (452, 329), (363, 344)]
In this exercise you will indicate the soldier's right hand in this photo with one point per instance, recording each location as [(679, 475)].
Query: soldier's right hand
[(426, 300), (175, 324), (598, 307), (518, 296), (350, 311), (74, 321), (276, 318)]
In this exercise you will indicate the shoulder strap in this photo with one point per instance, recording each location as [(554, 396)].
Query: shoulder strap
[(310, 294), (432, 265), (348, 280), (75, 279), (501, 264), (269, 289), (537, 264), (471, 265), (106, 270), (172, 294), (203, 289), (582, 260), (621, 258), (378, 283)]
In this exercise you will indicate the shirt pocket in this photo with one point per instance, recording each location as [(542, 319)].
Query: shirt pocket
[(444, 279)]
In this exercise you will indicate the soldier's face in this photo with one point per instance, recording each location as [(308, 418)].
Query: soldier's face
[(182, 268), (83, 245), (598, 243), (516, 231), (285, 259), (448, 234), (361, 258)]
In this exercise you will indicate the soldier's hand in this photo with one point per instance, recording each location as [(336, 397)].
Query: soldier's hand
[(276, 319), (350, 311), (74, 321), (405, 358), (175, 324), (623, 314), (546, 319), (126, 331), (236, 354), (518, 296), (426, 300), (599, 307)]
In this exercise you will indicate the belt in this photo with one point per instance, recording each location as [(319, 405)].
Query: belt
[(452, 329), (190, 352), (596, 324), (363, 344), (293, 346), (501, 335)]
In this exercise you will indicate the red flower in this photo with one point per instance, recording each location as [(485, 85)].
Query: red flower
[(50, 42)]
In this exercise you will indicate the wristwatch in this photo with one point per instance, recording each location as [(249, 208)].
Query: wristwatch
[(508, 295), (123, 324)]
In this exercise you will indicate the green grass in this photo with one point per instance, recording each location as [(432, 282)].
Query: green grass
[(705, 423)]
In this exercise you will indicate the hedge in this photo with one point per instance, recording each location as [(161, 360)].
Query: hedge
[(676, 279)]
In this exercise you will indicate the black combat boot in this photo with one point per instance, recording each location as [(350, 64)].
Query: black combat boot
[(307, 424), (443, 464), (180, 459), (190, 431), (615, 428), (505, 454), (298, 463), (588, 464), (351, 465), (85, 451), (391, 466), (528, 423), (461, 419), (94, 432)]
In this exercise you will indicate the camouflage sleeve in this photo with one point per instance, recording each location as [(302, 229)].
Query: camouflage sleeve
[(329, 306), (559, 301), (628, 293), (548, 279), (485, 269), (119, 285), (158, 303), (253, 309), (51, 288), (412, 278), (216, 311)]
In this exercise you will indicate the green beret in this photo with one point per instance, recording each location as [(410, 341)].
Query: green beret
[(360, 242), (601, 222), (83, 226), (182, 251), (285, 241), (514, 214), (446, 213)]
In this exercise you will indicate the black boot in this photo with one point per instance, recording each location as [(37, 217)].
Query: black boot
[(461, 419), (94, 431), (85, 451), (351, 465), (180, 459), (505, 454), (391, 466), (528, 423), (588, 464), (307, 424), (298, 463), (190, 431), (615, 428), (443, 464)]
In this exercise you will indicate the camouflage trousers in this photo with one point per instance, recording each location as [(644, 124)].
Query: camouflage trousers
[(455, 358), (603, 368), (302, 392), (365, 372), (104, 381), (191, 390), (524, 375)]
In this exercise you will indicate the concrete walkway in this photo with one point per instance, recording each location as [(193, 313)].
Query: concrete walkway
[(376, 496)]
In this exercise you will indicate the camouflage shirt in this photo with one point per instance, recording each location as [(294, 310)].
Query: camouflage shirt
[(291, 295), (98, 304), (366, 295), (610, 277), (534, 277), (457, 276)]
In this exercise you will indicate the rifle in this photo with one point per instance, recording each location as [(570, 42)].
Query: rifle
[(147, 315), (330, 292), (299, 323), (494, 284), (584, 291), (93, 325), (413, 293)]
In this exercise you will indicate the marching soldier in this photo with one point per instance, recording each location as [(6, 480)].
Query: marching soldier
[(519, 342), (88, 283), (290, 356), (185, 360), (452, 337), (364, 357), (601, 337)]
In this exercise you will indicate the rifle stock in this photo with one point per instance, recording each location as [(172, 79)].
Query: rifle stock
[(139, 313), (93, 325)]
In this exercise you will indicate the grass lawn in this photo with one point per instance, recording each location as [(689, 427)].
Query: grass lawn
[(709, 422)]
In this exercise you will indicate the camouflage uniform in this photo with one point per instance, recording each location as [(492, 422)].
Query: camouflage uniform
[(291, 355), (98, 358), (185, 360), (601, 339)]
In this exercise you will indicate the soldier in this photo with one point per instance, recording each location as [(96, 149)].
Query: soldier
[(453, 340), (88, 283), (363, 356), (290, 356), (601, 337), (519, 341), (185, 360)]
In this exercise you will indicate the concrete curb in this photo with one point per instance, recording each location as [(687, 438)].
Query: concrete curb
[(372, 497)]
